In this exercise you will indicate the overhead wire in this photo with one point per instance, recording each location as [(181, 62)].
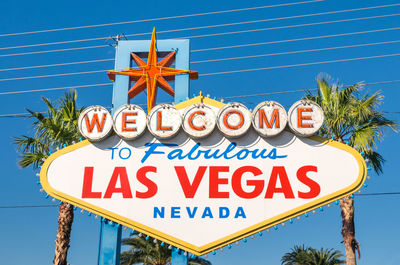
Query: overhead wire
[(289, 26), (55, 205), (27, 206), (297, 39), (105, 84), (298, 51), (54, 65), (301, 64), (206, 27), (52, 89), (217, 34), (22, 115), (218, 48), (160, 18), (215, 73), (52, 75), (215, 60), (57, 50)]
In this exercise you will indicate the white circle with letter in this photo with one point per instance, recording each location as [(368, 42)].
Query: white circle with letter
[(95, 123), (234, 119), (199, 121), (129, 121), (164, 121), (269, 118), (305, 117)]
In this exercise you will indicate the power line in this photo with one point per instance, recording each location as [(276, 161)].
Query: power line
[(231, 97), (58, 50), (379, 193), (53, 65), (27, 206), (23, 115), (299, 51), (205, 27), (161, 18), (207, 74), (51, 89), (297, 39), (214, 60), (54, 205), (53, 75), (289, 26), (217, 34), (218, 48), (301, 64), (302, 90)]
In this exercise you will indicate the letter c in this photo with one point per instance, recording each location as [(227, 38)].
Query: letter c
[(190, 120)]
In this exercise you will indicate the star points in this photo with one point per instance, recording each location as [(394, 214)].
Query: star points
[(152, 74)]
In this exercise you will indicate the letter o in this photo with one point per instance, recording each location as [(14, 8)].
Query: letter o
[(234, 120), (129, 153)]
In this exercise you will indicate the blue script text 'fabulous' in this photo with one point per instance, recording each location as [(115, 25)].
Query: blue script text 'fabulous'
[(230, 152)]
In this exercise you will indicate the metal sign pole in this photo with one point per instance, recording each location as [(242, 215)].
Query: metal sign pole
[(109, 244), (110, 234)]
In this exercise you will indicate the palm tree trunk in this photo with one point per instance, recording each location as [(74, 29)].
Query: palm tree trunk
[(65, 218), (348, 231)]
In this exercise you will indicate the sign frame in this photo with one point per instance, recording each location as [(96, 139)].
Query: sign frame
[(227, 239)]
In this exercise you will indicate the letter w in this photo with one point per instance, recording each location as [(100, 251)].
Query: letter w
[(95, 121), (188, 188)]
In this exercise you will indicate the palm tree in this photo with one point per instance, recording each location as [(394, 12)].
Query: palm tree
[(301, 255), (151, 252), (356, 119), (325, 257), (297, 256), (53, 130)]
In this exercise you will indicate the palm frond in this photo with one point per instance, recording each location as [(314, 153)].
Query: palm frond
[(58, 127), (375, 160), (348, 115)]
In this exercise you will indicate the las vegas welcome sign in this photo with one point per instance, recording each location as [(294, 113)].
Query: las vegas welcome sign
[(202, 174)]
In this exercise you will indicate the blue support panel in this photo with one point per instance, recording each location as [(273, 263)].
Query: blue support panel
[(182, 81), (121, 83), (110, 244), (178, 258), (110, 235)]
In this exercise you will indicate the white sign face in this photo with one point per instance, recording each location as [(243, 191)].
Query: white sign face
[(129, 121), (164, 121), (95, 123), (200, 195), (234, 120), (269, 118), (306, 117), (199, 121)]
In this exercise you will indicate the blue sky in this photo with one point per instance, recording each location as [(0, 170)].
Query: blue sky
[(27, 235)]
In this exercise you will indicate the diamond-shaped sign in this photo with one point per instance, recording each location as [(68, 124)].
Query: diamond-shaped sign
[(201, 194)]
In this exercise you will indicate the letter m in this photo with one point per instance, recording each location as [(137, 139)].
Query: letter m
[(95, 121), (262, 118)]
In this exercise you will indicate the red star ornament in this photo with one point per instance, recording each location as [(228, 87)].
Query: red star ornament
[(152, 74)]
